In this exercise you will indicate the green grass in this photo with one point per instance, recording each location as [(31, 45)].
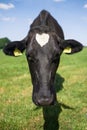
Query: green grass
[(17, 111)]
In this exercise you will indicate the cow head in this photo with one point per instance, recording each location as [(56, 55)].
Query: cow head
[(43, 51)]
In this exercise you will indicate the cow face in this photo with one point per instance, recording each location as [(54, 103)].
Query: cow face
[(43, 61), (44, 45)]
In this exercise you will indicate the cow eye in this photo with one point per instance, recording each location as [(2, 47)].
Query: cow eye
[(31, 58), (55, 58)]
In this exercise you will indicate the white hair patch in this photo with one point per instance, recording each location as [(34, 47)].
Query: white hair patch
[(42, 39)]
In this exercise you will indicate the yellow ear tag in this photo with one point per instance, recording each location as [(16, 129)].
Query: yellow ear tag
[(67, 50), (17, 52)]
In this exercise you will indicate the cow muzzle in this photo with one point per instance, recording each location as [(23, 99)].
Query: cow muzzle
[(44, 99)]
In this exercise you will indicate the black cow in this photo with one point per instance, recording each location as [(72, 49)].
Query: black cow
[(44, 45)]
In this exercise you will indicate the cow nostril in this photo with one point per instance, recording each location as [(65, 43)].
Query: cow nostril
[(45, 101)]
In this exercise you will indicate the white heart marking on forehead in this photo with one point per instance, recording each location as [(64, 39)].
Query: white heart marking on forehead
[(42, 39)]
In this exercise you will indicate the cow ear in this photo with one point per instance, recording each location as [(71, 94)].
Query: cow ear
[(71, 46), (15, 48)]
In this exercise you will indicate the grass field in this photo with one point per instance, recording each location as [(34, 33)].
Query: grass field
[(17, 111)]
